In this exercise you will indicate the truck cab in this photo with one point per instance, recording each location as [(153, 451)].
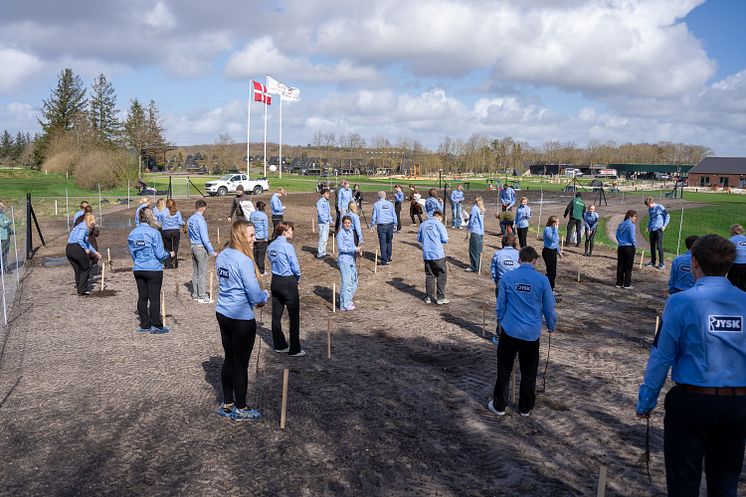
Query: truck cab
[(228, 184)]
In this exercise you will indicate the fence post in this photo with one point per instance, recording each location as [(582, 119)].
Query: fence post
[(681, 223), (100, 212), (29, 233), (128, 193), (67, 210), (15, 244), (541, 204)]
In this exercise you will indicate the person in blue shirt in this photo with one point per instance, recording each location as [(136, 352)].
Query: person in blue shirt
[(275, 205), (702, 340), (261, 234), (658, 219), (737, 273), (457, 198), (240, 292), (159, 210), (504, 260), (146, 248), (201, 251), (522, 219), (524, 297), (398, 201), (433, 203), (590, 225), (5, 232), (324, 220), (507, 197), (384, 220), (357, 228), (346, 263), (626, 237), (552, 248), (78, 214), (171, 225), (344, 197), (432, 236), (681, 277), (285, 279), (144, 202), (77, 251), (475, 229)]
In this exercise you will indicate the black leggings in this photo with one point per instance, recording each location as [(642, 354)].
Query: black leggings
[(624, 262), (171, 239), (285, 294), (149, 290), (656, 246), (736, 275), (260, 251), (589, 236), (238, 337), (528, 361), (397, 209), (550, 261), (81, 265), (522, 235)]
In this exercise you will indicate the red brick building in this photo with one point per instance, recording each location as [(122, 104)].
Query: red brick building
[(725, 172)]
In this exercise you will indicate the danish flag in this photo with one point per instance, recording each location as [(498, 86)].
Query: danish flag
[(260, 93)]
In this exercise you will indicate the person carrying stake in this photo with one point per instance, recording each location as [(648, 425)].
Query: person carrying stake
[(146, 248), (348, 250), (201, 250), (702, 339), (261, 234), (285, 280), (681, 277), (576, 210), (525, 295), (324, 220), (658, 219), (240, 292), (432, 235), (590, 224), (384, 220)]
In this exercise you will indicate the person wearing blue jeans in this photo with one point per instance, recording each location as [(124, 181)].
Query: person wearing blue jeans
[(324, 219), (457, 198), (347, 264), (384, 219), (475, 226)]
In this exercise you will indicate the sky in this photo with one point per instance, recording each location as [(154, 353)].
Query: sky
[(535, 70)]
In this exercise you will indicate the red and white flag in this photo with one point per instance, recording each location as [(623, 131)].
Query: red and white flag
[(260, 93)]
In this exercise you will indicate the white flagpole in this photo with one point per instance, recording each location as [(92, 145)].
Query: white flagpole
[(280, 164), (248, 127), (265, 129)]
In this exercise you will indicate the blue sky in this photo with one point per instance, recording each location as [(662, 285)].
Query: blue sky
[(536, 70)]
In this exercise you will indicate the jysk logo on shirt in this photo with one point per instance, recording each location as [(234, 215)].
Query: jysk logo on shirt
[(429, 228), (742, 244), (508, 263), (273, 253), (139, 243), (522, 287), (684, 268), (223, 272), (725, 324), (384, 206)]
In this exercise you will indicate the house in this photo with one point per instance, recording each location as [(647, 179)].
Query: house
[(721, 171)]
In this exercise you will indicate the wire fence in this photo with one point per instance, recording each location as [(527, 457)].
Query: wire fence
[(12, 257)]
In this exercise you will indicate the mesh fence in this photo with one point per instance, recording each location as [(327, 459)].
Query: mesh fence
[(13, 243)]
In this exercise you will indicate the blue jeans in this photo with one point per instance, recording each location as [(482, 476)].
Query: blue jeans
[(323, 237), (456, 211), (386, 240), (349, 283), (475, 250)]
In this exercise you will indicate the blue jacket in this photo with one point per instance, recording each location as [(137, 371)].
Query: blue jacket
[(356, 227), (383, 213), (275, 204), (681, 274), (146, 248), (344, 197), (239, 289), (261, 225), (522, 215), (507, 197), (77, 215), (158, 215), (197, 231), (552, 239), (282, 256), (432, 204), (323, 215), (457, 196), (626, 235), (79, 235), (702, 338), (740, 242), (476, 221), (503, 261), (658, 217), (399, 197), (432, 235), (137, 213), (5, 224), (346, 247), (590, 220), (524, 296), (169, 222)]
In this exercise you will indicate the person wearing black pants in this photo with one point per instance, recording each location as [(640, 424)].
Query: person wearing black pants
[(78, 250), (551, 248), (149, 290), (171, 223), (171, 239), (528, 361), (285, 294), (237, 336), (626, 236)]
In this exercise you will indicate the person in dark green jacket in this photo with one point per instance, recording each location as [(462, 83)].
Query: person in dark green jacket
[(575, 209), (5, 231)]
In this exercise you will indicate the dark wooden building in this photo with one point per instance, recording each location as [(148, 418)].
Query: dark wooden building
[(725, 172)]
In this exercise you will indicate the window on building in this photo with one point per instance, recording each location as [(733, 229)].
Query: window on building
[(704, 180), (724, 181)]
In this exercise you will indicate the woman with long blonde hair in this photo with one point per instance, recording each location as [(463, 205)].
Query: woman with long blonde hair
[(77, 251), (171, 224), (240, 291), (475, 228)]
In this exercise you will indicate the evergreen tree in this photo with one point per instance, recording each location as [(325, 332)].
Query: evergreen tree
[(6, 145), (102, 112), (18, 146), (154, 127), (66, 102)]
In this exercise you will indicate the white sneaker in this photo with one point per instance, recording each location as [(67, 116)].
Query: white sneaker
[(491, 407), (204, 300), (443, 301), (301, 353), (428, 300), (525, 414)]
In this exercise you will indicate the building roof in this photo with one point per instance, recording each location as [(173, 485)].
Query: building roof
[(721, 165), (651, 168)]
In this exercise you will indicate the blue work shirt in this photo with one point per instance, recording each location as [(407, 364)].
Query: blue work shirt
[(740, 242), (522, 215), (283, 259), (137, 213), (399, 197), (524, 296), (275, 204), (507, 197), (626, 235), (197, 231), (79, 235), (356, 227), (552, 238), (383, 213), (681, 274), (702, 338), (239, 289), (158, 214), (457, 196), (658, 217), (261, 225), (171, 222), (146, 248), (344, 197), (432, 235), (323, 215), (432, 204), (503, 261), (77, 215), (590, 219), (476, 221), (346, 247)]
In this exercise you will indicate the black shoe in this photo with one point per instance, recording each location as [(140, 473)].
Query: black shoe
[(585, 254)]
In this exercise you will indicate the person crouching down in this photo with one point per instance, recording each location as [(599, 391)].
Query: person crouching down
[(432, 235), (347, 264), (146, 248)]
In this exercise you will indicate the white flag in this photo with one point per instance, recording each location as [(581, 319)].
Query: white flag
[(288, 93)]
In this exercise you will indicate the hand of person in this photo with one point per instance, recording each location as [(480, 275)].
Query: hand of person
[(229, 219), (87, 251), (173, 254), (98, 255), (560, 255), (663, 228), (644, 415), (372, 229), (213, 254), (551, 331), (260, 305)]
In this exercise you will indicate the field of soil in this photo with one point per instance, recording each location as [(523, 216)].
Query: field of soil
[(90, 407)]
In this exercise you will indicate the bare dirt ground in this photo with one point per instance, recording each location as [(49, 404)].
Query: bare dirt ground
[(90, 407)]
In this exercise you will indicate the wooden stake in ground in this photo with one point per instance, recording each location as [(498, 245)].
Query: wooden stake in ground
[(642, 257), (479, 269), (328, 338), (375, 263), (578, 274), (211, 277), (313, 225), (512, 384), (657, 323), (103, 276), (601, 482), (284, 403), (334, 244), (484, 318), (163, 309), (258, 341), (218, 236), (108, 257), (334, 297), (55, 208)]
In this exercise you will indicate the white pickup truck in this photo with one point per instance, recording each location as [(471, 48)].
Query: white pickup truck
[(228, 184)]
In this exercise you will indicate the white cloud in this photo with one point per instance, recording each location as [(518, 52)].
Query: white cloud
[(17, 66), (160, 18), (18, 116)]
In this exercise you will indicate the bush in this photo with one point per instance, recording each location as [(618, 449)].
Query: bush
[(61, 162), (108, 168)]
